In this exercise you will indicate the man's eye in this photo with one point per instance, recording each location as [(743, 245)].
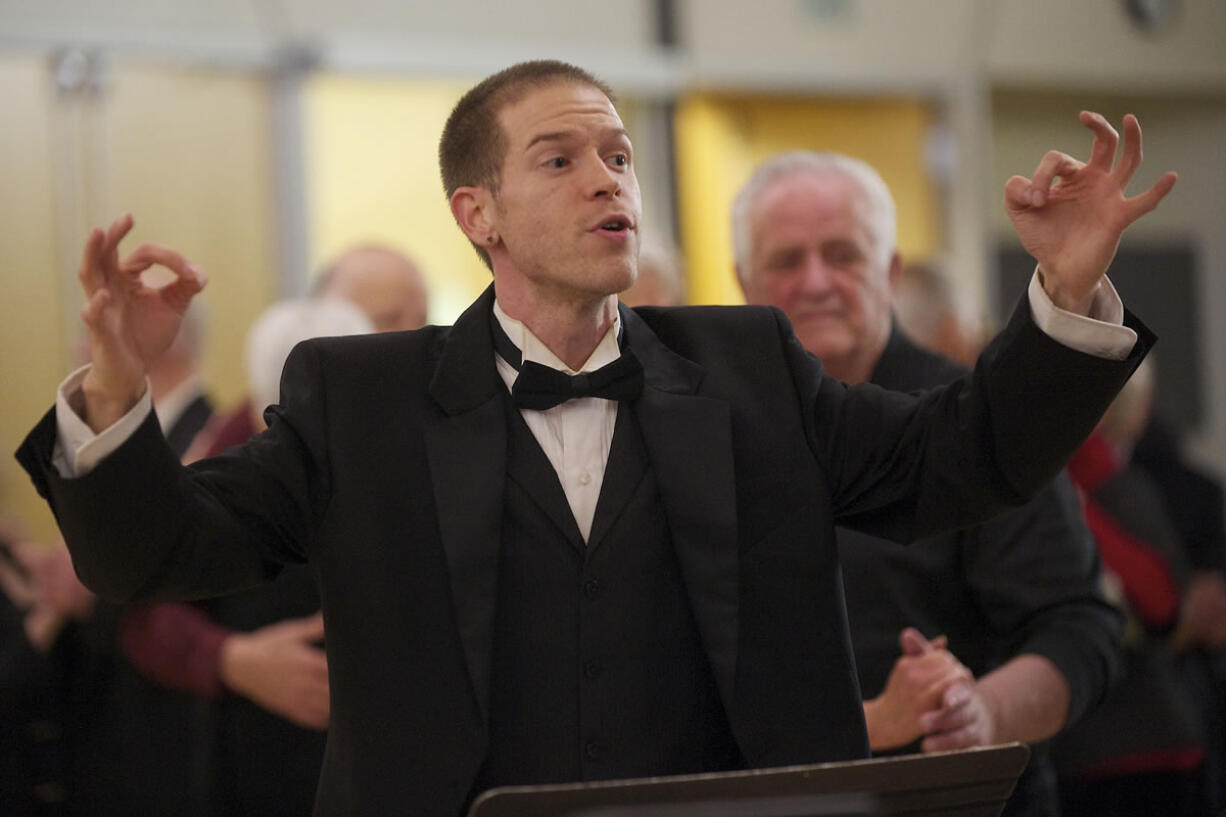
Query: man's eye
[(621, 159), (842, 256), (784, 261), (557, 162)]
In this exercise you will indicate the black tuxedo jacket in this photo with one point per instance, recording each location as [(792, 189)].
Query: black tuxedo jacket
[(385, 466)]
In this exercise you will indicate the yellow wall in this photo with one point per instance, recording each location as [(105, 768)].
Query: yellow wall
[(188, 154), (371, 152), (32, 351), (721, 138), (189, 157)]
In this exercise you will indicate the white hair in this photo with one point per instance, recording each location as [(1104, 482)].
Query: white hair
[(283, 326), (882, 213)]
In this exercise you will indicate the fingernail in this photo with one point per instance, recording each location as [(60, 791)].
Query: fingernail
[(1036, 197), (956, 695)]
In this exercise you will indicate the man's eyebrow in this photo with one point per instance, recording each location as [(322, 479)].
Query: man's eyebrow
[(566, 135), (555, 136)]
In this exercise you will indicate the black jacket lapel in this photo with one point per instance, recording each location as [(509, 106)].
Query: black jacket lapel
[(624, 471), (689, 441), (530, 468), (467, 451)]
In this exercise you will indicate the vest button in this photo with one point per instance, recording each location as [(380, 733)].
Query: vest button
[(593, 750), (592, 670), (592, 588)]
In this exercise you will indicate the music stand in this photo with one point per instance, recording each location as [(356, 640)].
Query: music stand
[(967, 783)]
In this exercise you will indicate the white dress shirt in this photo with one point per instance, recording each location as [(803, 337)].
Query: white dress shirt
[(576, 435)]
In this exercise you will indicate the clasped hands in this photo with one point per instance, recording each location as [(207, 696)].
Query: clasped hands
[(929, 694)]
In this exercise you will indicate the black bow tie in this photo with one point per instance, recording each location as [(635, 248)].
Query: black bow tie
[(541, 387)]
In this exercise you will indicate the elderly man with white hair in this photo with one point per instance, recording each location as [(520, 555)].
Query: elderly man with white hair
[(1015, 599)]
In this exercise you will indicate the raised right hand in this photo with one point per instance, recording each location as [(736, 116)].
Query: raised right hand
[(129, 323)]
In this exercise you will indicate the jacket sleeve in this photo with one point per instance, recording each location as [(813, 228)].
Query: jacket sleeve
[(141, 526), (904, 466)]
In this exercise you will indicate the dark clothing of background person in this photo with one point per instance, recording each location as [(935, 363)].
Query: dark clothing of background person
[(33, 781), (257, 762), (386, 466), (1024, 582), (1197, 507), (1143, 751), (137, 746), (1193, 499)]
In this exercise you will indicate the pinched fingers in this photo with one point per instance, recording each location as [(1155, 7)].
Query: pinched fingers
[(1022, 193), (1054, 163), (148, 254), (189, 279)]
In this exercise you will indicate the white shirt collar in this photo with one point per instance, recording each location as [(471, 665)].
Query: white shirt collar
[(533, 349)]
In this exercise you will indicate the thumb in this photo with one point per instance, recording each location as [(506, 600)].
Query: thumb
[(913, 643)]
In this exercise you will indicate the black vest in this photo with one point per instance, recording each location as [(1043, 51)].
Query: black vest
[(598, 670)]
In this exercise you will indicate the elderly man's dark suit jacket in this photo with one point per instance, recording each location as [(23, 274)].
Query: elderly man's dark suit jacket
[(386, 465)]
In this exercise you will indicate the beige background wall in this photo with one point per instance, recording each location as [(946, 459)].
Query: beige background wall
[(185, 151)]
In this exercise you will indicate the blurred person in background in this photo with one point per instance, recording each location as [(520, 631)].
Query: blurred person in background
[(932, 312), (987, 635), (134, 746), (1196, 504), (660, 281), (84, 732), (1143, 751), (41, 606), (256, 655), (383, 283)]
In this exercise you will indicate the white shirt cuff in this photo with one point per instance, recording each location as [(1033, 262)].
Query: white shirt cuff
[(77, 449), (1101, 333)]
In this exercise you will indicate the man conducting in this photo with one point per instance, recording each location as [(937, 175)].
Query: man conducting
[(641, 579), (1017, 597)]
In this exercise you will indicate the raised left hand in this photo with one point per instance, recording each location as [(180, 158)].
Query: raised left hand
[(1072, 227)]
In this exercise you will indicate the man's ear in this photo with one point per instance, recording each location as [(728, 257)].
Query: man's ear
[(472, 208), (895, 271)]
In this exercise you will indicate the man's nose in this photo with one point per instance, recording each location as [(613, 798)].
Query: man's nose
[(815, 276), (602, 179)]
